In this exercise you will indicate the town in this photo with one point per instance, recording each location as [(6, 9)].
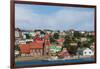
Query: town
[(53, 44)]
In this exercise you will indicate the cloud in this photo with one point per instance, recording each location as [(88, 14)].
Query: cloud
[(64, 18)]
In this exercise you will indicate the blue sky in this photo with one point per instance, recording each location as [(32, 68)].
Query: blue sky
[(53, 17)]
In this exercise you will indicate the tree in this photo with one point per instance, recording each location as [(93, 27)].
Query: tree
[(66, 42), (79, 44), (17, 47), (91, 38), (28, 36), (86, 44), (56, 36), (42, 32), (77, 34), (52, 40), (72, 50)]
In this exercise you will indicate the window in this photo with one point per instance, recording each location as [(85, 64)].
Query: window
[(85, 52), (89, 52)]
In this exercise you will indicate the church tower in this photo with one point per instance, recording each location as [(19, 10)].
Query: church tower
[(46, 44)]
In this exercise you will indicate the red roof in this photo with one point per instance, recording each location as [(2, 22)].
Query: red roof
[(24, 48), (64, 53), (36, 45), (46, 36), (60, 40)]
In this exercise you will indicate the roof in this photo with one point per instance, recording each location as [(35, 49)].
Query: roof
[(59, 45), (36, 45), (46, 36), (73, 44), (39, 40), (37, 37), (60, 40), (87, 49), (17, 29), (24, 48)]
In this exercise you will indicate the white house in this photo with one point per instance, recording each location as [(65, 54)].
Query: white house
[(22, 42), (83, 39), (24, 36), (82, 32), (48, 32), (32, 33), (73, 44), (62, 33), (29, 40), (18, 33), (17, 42), (17, 53), (38, 32), (88, 52)]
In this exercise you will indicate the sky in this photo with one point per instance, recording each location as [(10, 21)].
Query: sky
[(30, 17)]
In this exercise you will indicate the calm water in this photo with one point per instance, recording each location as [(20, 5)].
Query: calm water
[(46, 62)]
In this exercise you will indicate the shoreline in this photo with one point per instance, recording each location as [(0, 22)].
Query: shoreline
[(39, 58)]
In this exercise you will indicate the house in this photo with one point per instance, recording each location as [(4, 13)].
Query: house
[(36, 49), (59, 45), (92, 46), (62, 34), (64, 53), (83, 39), (48, 31), (82, 32), (32, 48), (29, 40), (88, 52), (42, 35), (17, 53), (18, 33), (55, 48), (80, 51), (91, 33), (73, 44), (17, 42), (61, 40), (24, 49), (22, 42), (72, 30), (52, 33), (38, 32), (32, 34), (36, 37), (24, 36)]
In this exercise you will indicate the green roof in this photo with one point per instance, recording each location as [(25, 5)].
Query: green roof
[(55, 48)]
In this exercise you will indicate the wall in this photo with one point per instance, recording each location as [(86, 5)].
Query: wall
[(5, 34)]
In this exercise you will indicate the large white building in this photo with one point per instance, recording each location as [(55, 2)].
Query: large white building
[(88, 52)]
